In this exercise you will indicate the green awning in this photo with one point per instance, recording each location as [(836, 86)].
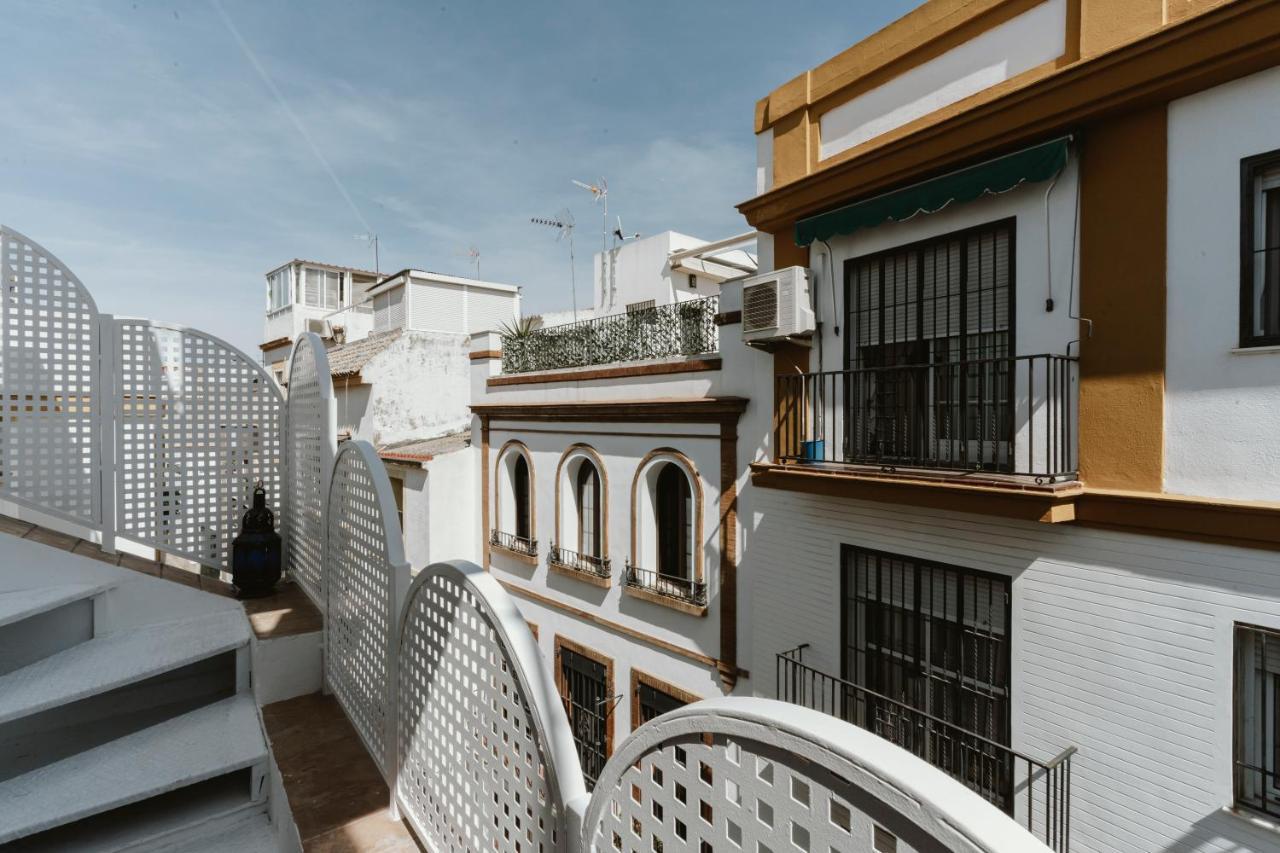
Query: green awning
[(1028, 166)]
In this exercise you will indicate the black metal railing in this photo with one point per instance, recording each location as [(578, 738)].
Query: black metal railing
[(670, 586), (512, 542), (1256, 755), (599, 567), (1011, 415), (681, 328), (1036, 793)]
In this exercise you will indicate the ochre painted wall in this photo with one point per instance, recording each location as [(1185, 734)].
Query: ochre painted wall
[(1122, 285)]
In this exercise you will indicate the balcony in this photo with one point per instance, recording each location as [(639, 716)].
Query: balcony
[(666, 331), (684, 593), (1011, 418), (520, 546), (595, 570), (1036, 793)]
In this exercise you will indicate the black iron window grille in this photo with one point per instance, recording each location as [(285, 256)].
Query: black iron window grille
[(512, 542), (665, 331), (1040, 796), (670, 586), (1260, 250), (584, 689), (653, 703), (1257, 719), (585, 563)]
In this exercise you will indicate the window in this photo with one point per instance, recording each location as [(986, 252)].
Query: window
[(585, 679), (587, 495), (513, 528), (520, 491), (1260, 251), (673, 511), (939, 313), (397, 491), (932, 638), (639, 307), (652, 697), (321, 289), (1257, 719), (278, 290)]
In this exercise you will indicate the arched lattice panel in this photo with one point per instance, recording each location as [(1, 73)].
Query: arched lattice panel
[(311, 442), (485, 755), (197, 424), (50, 439), (365, 578), (760, 775)]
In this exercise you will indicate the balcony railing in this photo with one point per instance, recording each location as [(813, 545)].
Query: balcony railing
[(1036, 793), (1013, 416), (682, 328), (670, 586), (598, 567), (514, 543)]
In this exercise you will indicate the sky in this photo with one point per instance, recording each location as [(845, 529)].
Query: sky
[(172, 153)]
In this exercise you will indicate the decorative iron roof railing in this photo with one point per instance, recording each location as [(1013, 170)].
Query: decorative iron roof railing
[(681, 328)]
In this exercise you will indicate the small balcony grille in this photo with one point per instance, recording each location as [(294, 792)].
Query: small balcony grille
[(595, 566), (669, 586), (512, 542)]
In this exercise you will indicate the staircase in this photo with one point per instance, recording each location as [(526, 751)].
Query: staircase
[(126, 719)]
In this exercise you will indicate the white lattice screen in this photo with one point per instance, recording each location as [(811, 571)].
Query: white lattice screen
[(49, 386), (311, 439), (365, 578), (197, 424), (766, 777), (486, 758)]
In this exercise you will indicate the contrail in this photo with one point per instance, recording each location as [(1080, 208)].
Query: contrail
[(288, 111)]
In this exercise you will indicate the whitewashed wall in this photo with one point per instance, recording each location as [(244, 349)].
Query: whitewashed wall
[(1221, 404), (1121, 646), (637, 270), (621, 455), (418, 387)]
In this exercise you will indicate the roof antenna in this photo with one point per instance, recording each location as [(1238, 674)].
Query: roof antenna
[(472, 254), (563, 222), (619, 236), (372, 240)]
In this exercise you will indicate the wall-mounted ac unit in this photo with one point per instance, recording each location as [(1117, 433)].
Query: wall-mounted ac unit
[(320, 327), (776, 305)]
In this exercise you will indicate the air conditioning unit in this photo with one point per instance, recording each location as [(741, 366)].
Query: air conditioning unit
[(776, 306), (320, 327)]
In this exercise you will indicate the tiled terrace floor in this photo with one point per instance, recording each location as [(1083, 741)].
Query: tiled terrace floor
[(285, 613), (336, 793)]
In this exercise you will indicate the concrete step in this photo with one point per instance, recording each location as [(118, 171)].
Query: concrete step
[(19, 604), (212, 741), (109, 662)]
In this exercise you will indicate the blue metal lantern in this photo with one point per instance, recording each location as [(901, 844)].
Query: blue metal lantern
[(255, 553)]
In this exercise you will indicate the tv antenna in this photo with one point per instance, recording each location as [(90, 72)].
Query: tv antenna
[(472, 254), (372, 241), (563, 223), (621, 236), (599, 195)]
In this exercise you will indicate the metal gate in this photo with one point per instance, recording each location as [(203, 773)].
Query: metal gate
[(584, 688)]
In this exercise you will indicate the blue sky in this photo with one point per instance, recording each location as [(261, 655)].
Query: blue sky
[(140, 144)]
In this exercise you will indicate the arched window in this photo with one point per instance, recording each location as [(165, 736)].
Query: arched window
[(673, 516), (587, 495), (520, 492), (514, 526)]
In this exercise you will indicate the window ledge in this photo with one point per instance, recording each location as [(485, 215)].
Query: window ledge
[(1265, 350), (665, 601), (519, 556), (602, 581), (1257, 821)]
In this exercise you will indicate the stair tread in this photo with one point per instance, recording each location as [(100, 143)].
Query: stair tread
[(204, 743), (104, 663), (255, 835), (19, 604)]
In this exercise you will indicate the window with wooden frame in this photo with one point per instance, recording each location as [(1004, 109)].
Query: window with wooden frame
[(586, 489), (584, 678), (1257, 719), (1260, 250), (514, 507), (673, 511), (651, 697)]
